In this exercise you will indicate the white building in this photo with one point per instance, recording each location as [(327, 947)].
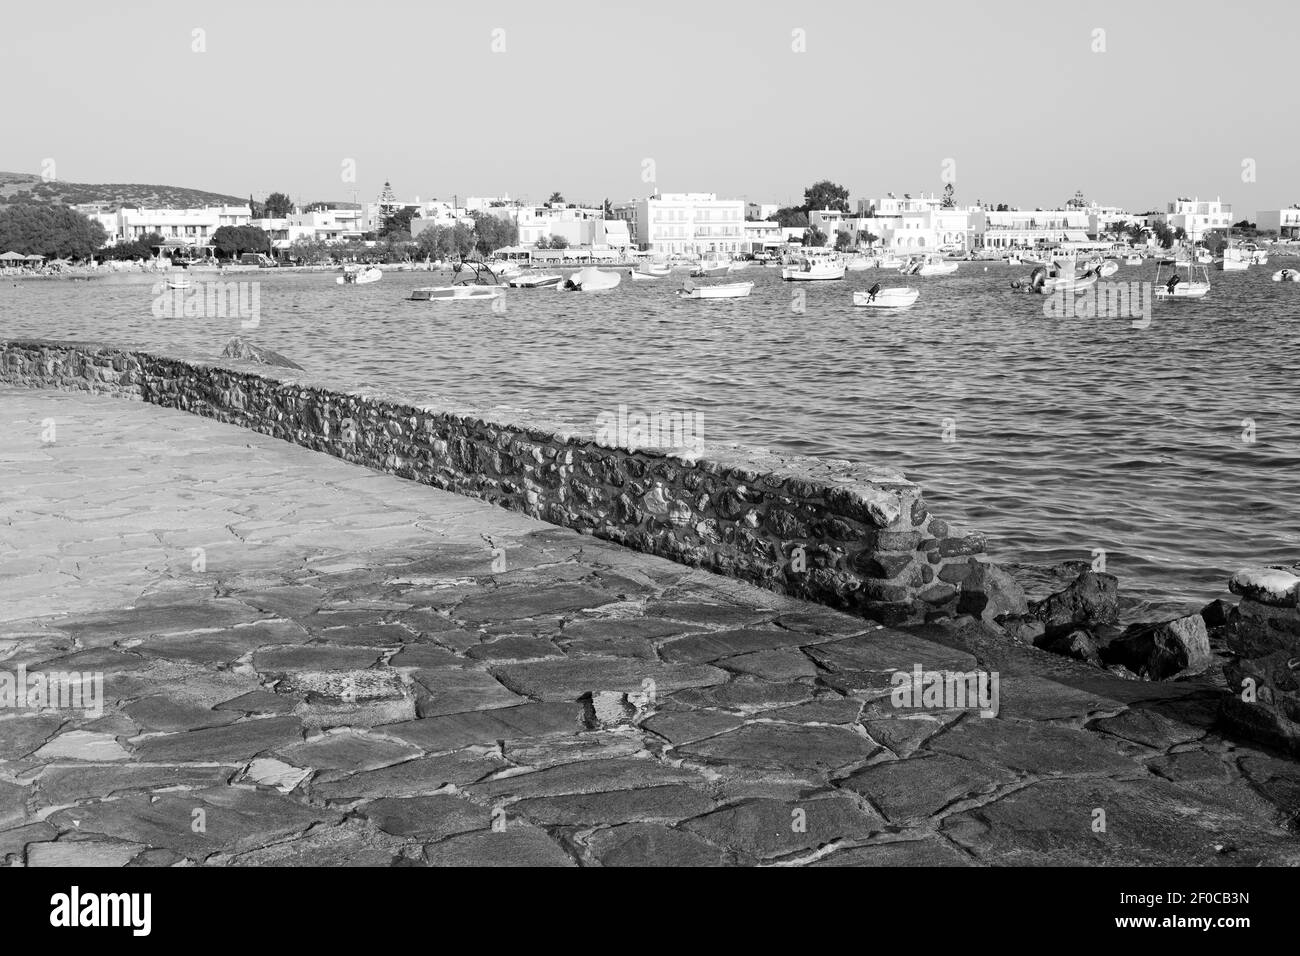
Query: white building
[(1196, 217), (1285, 222), (689, 223), (188, 227), (1029, 228), (760, 210)]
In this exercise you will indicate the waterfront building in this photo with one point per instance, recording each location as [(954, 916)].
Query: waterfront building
[(688, 223), (1029, 228), (187, 226), (762, 235), (1197, 217), (1285, 222)]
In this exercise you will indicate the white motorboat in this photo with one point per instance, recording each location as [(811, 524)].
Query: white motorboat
[(813, 268), (726, 290), (532, 281), (456, 293), (1012, 260), (591, 279), (360, 276), (738, 265), (652, 270), (930, 267), (1259, 258), (1234, 261), (859, 264), (503, 268), (1107, 268), (889, 262), (703, 271), (1286, 275), (1133, 260), (639, 276), (178, 282), (1176, 287), (899, 297)]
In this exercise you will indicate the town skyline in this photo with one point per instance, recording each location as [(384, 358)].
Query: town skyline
[(1010, 108)]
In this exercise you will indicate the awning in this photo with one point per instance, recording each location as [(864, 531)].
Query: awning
[(13, 257), (34, 258)]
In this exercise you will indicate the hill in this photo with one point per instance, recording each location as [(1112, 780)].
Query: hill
[(25, 187)]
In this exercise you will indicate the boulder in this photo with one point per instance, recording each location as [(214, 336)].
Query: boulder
[(1161, 650), (1274, 586), (237, 348), (1080, 644), (1091, 598), (989, 592), (1218, 613)]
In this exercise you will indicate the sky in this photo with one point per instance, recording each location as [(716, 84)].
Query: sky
[(1132, 102)]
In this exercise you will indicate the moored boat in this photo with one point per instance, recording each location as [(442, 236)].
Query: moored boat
[(456, 293), (1176, 287), (591, 279), (360, 276), (532, 281), (726, 290), (1286, 275), (899, 297), (812, 268)]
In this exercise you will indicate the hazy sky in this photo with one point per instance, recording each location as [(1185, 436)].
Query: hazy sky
[(713, 93)]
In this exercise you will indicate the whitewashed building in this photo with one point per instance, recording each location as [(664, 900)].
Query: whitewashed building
[(1196, 216), (1285, 222), (687, 223)]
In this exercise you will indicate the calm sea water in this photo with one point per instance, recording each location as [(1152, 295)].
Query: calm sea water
[(1071, 434)]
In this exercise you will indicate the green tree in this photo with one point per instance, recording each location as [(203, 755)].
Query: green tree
[(556, 197), (867, 239), (825, 194), (146, 247), (277, 206), (398, 222), (44, 229), (559, 242), (814, 237), (493, 232), (232, 241), (1163, 234), (843, 240), (542, 243), (790, 217), (948, 201)]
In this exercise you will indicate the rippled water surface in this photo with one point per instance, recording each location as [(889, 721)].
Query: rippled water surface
[(1071, 434)]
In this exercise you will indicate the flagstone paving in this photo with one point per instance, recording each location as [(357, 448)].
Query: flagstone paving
[(308, 663)]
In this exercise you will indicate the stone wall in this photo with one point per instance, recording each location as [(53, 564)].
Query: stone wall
[(851, 536), (1264, 674)]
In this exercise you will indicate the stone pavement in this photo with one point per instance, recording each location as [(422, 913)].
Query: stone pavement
[(307, 663)]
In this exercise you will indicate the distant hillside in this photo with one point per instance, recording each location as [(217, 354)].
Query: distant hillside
[(24, 187)]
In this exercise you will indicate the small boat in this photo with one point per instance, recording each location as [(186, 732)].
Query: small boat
[(1178, 288), (710, 272), (591, 279), (739, 264), (639, 276), (859, 264), (899, 297), (1259, 258), (814, 268), (1287, 275), (180, 282), (931, 267), (503, 268), (533, 281), (1012, 260), (1233, 261), (726, 290), (889, 262), (456, 293), (1204, 258), (1107, 268), (1133, 260), (652, 270), (360, 276)]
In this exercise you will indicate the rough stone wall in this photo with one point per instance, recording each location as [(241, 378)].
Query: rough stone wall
[(1264, 675), (843, 534)]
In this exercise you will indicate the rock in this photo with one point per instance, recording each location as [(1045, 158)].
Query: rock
[(1026, 630), (1078, 644), (1218, 613), (1274, 586), (237, 348), (989, 592), (1158, 651), (1091, 598)]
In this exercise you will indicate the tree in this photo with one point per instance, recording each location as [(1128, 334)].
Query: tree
[(948, 201), (556, 197), (825, 194), (843, 240), (814, 237), (559, 242), (493, 232), (231, 241), (399, 221), (608, 209), (790, 217), (1180, 234), (56, 232), (277, 206), (867, 239), (542, 243), (143, 248), (1163, 234)]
